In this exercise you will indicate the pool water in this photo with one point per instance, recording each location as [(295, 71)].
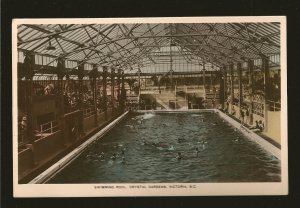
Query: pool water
[(146, 147)]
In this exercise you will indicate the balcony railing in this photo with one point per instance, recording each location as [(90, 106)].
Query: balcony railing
[(47, 128), (88, 112), (274, 106)]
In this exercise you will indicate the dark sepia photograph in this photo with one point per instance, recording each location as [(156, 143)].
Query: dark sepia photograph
[(149, 107)]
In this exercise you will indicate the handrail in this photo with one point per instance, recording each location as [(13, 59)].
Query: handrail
[(87, 112), (274, 106), (53, 127)]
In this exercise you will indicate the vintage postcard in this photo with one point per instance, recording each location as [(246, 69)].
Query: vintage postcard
[(150, 107)]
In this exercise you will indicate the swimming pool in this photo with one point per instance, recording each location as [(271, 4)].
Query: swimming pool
[(146, 146)]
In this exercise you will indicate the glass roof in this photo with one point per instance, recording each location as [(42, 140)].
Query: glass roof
[(152, 46)]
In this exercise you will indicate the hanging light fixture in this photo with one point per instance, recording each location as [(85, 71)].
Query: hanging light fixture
[(172, 43), (50, 47), (243, 58)]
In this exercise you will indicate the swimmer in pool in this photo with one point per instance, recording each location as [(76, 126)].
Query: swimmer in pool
[(123, 152), (114, 156), (197, 151), (237, 139), (179, 157), (179, 140), (140, 121), (123, 160), (144, 142), (101, 155), (153, 144), (203, 144)]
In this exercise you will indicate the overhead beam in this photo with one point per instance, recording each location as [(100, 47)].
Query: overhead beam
[(57, 34)]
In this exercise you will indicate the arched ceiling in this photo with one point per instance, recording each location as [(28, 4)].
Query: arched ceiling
[(129, 46)]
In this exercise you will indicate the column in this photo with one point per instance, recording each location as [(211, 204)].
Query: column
[(221, 88), (112, 87), (239, 71), (231, 86), (225, 86), (80, 75), (123, 93), (171, 76), (60, 71), (29, 64), (104, 76), (203, 71), (139, 77), (250, 68), (119, 83), (266, 70), (94, 75)]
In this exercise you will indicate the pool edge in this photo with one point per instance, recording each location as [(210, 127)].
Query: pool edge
[(266, 145), (251, 135), (62, 163)]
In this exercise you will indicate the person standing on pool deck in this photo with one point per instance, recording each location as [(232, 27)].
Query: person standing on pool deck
[(247, 116), (213, 103), (242, 116), (232, 111), (261, 125)]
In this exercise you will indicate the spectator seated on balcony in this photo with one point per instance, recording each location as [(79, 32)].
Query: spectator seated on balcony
[(24, 123), (220, 107), (213, 103), (214, 89), (22, 129), (256, 127), (247, 115), (49, 89), (226, 107), (242, 116), (67, 102), (261, 125)]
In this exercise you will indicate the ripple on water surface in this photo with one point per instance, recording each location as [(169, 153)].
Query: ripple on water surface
[(145, 147)]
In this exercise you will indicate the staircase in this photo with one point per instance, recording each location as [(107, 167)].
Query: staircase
[(167, 100), (163, 99), (176, 98), (162, 104)]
